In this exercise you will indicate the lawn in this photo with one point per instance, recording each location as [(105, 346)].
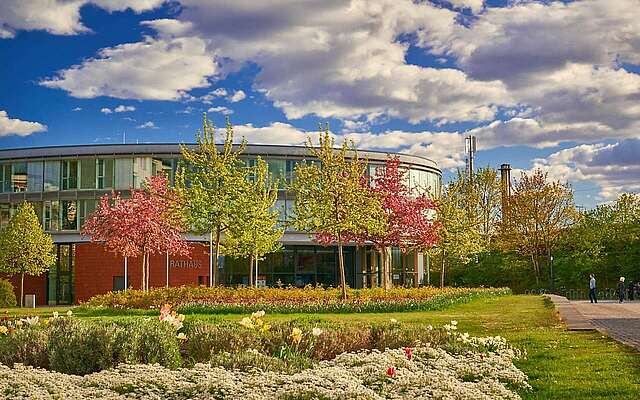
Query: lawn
[(560, 364)]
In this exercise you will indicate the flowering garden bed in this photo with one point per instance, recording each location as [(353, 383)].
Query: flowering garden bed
[(225, 300), (250, 358)]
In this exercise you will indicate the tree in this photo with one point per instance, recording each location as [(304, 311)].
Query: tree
[(408, 218), (142, 225), (256, 234), (539, 212), (211, 185), (487, 196), (24, 247), (331, 199), (459, 232)]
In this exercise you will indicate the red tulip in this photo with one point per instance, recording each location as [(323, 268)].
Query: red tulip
[(409, 352), (391, 372)]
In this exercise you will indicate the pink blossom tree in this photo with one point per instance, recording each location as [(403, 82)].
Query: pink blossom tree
[(142, 225), (409, 217)]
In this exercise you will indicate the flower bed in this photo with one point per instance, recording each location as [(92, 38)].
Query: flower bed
[(289, 300), (424, 372)]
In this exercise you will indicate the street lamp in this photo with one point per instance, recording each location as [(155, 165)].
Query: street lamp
[(552, 284)]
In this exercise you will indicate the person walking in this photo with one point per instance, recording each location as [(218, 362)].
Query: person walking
[(592, 289), (621, 289)]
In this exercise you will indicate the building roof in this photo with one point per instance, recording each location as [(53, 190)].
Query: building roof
[(163, 149)]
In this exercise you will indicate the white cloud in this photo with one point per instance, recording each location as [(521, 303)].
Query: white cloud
[(238, 95), (214, 94), (447, 149), (77, 109), (343, 59), (106, 110), (60, 17), (613, 167), (15, 126), (147, 125), (473, 5), (155, 69), (221, 110), (122, 108)]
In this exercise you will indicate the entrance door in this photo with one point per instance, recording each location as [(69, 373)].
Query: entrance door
[(60, 289)]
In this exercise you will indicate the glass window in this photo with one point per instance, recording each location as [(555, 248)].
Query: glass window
[(88, 173), (34, 173), (19, 176), (277, 169), (51, 216), (5, 214), (51, 176), (69, 215), (124, 173), (5, 176), (85, 208), (69, 174), (37, 206), (104, 173), (141, 171)]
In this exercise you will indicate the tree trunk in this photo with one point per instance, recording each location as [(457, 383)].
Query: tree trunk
[(148, 272), (341, 267), (444, 264), (143, 285), (534, 260), (21, 290), (388, 268), (214, 273), (251, 270)]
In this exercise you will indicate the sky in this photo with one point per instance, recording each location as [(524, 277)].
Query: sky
[(541, 84)]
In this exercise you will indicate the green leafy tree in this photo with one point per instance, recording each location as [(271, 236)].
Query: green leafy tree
[(256, 233), (487, 196), (459, 225), (331, 199), (540, 211), (211, 184), (25, 248)]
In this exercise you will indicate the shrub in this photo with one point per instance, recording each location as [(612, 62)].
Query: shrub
[(7, 295), (27, 346), (147, 341), (225, 300), (80, 347)]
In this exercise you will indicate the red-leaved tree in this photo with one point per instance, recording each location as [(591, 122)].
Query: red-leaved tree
[(142, 225), (410, 217)]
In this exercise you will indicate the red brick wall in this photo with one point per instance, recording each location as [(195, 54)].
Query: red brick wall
[(96, 267), (32, 285)]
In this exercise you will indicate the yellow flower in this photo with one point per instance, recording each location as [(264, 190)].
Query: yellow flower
[(258, 314), (394, 321), (55, 314), (69, 313), (265, 328), (3, 330), (181, 336), (296, 335)]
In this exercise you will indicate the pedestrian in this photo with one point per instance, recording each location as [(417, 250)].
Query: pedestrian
[(592, 289), (621, 289)]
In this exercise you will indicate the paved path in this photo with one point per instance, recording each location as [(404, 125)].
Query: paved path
[(619, 321)]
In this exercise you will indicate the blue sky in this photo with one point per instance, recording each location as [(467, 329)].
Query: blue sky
[(542, 84)]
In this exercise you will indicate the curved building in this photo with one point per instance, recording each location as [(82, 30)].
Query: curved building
[(64, 184)]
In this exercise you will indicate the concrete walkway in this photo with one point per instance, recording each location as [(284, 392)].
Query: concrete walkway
[(619, 321)]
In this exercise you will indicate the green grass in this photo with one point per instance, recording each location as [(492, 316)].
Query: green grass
[(560, 364)]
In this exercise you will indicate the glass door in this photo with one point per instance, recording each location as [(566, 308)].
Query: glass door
[(60, 290)]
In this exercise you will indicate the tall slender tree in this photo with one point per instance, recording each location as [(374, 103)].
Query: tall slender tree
[(142, 225), (211, 183), (25, 248), (331, 199), (256, 233)]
